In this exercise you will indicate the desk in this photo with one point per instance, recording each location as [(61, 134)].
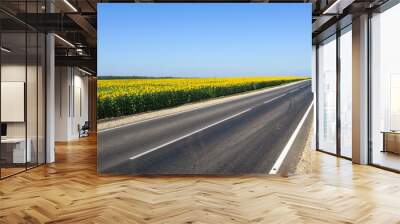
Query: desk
[(391, 141), (15, 148)]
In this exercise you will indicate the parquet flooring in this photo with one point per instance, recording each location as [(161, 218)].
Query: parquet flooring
[(70, 191)]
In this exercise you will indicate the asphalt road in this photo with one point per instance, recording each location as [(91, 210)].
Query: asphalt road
[(242, 136)]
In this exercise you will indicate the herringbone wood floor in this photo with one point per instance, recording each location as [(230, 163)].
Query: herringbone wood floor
[(70, 191)]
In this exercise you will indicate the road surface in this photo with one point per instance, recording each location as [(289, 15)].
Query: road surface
[(241, 136)]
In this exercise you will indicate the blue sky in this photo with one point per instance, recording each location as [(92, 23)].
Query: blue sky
[(204, 40)]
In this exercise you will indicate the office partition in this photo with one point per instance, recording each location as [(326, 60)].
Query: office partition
[(22, 77)]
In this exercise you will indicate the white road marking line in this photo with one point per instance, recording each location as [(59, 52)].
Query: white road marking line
[(277, 165), (192, 109), (187, 135), (295, 90), (270, 100)]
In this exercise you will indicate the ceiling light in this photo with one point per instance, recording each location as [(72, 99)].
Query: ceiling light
[(338, 6), (86, 72), (65, 41), (5, 50), (331, 7), (79, 51), (70, 5)]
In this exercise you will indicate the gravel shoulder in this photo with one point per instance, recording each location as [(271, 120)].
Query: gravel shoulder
[(304, 165)]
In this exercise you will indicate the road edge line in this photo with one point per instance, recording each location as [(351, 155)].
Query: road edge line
[(277, 165)]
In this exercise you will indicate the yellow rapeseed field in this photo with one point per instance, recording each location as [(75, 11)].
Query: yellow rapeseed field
[(119, 97)]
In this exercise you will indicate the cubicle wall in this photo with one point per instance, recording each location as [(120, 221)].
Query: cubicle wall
[(22, 78)]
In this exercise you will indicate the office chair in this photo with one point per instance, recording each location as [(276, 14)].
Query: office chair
[(84, 130)]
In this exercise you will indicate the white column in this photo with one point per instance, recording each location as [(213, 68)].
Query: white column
[(50, 92), (50, 99), (360, 90)]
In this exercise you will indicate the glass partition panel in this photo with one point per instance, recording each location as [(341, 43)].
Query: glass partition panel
[(41, 98), (327, 95), (22, 88), (385, 92), (14, 150), (32, 98), (346, 92)]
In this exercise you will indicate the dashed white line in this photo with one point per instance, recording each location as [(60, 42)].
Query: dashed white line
[(270, 100), (275, 168), (187, 135), (295, 90)]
